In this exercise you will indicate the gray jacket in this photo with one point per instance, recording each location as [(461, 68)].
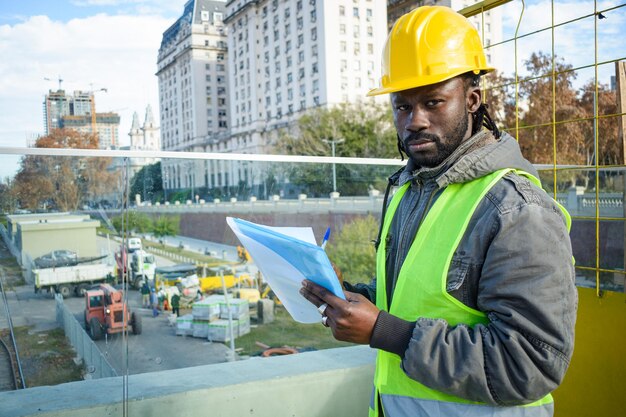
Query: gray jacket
[(514, 263)]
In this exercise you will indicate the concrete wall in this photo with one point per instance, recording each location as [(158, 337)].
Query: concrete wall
[(333, 382), (213, 227)]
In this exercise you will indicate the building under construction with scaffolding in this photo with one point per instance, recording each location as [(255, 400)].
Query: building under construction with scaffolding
[(77, 112)]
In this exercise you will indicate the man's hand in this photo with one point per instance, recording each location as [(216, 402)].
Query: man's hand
[(351, 320)]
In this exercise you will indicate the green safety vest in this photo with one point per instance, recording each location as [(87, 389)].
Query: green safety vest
[(421, 292)]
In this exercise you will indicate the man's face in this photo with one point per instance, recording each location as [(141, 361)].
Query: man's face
[(432, 121)]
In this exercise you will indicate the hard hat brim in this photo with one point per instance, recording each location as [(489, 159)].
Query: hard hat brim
[(422, 81)]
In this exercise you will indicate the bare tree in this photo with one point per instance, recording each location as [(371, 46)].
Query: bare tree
[(62, 182)]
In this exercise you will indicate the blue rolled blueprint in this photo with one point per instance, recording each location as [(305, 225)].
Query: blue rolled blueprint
[(286, 256)]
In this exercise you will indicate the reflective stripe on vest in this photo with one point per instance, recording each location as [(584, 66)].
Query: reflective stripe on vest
[(420, 291)]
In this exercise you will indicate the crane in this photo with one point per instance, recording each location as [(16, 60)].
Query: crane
[(59, 79), (92, 102)]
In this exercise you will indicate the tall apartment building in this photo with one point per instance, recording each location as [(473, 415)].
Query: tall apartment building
[(288, 56), (193, 101), (74, 112), (490, 32)]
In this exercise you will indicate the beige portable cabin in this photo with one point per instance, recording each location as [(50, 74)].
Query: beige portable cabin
[(37, 235)]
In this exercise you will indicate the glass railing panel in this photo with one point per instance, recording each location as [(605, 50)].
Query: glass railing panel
[(186, 247)]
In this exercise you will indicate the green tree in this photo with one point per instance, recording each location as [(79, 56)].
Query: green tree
[(166, 226), (147, 182), (364, 130), (352, 250), (135, 222)]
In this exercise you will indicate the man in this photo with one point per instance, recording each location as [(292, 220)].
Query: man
[(145, 294), (154, 302), (475, 302), (176, 304)]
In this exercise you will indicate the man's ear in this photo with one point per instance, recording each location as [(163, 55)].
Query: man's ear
[(474, 99)]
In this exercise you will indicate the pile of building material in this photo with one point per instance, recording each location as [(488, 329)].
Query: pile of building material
[(209, 319), (184, 325)]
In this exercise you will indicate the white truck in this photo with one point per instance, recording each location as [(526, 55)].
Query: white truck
[(76, 279), (134, 243), (142, 268)]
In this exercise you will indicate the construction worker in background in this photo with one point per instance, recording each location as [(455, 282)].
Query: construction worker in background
[(242, 254), (154, 301), (176, 304), (145, 294), (474, 303)]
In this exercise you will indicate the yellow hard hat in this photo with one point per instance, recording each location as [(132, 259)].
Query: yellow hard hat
[(428, 45)]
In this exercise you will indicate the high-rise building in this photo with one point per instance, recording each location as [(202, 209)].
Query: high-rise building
[(290, 56), (58, 104), (193, 100), (106, 124), (286, 57), (75, 112), (489, 24)]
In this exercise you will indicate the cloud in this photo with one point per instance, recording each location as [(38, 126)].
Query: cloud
[(114, 52), (89, 3), (573, 42), (160, 7)]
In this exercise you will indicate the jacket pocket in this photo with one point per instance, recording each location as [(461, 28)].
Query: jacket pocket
[(457, 273)]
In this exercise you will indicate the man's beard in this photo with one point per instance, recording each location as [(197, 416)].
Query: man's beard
[(444, 149)]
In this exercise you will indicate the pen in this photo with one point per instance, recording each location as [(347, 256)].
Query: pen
[(326, 236)]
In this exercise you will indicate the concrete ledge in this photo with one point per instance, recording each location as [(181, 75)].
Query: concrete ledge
[(333, 382)]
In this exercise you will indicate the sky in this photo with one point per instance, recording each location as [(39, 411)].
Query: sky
[(574, 42), (89, 44), (113, 44)]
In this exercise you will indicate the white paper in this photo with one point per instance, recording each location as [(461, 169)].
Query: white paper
[(265, 245)]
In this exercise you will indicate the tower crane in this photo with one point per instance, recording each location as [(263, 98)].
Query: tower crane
[(92, 103), (59, 79)]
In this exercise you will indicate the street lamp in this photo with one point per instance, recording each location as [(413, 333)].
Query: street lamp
[(192, 174), (165, 183), (332, 143)]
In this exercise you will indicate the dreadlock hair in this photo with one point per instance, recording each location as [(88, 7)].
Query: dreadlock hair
[(481, 116), (401, 150)]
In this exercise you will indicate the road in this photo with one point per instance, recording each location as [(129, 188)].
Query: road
[(156, 349)]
